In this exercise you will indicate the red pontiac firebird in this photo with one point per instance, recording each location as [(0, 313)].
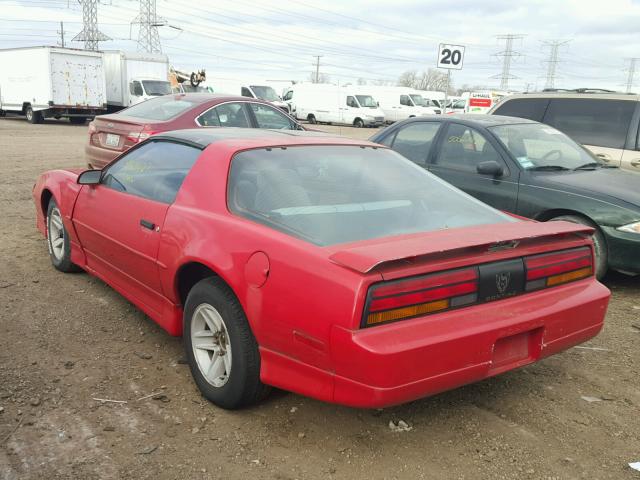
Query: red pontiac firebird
[(329, 267)]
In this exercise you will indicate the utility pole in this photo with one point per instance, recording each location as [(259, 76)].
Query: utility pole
[(90, 34), (553, 61), (632, 73), (317, 57), (61, 33), (507, 54), (148, 36)]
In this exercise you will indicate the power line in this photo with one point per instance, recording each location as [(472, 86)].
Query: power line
[(90, 34), (631, 74), (507, 54), (553, 61)]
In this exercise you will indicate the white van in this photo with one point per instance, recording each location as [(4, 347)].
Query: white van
[(250, 89), (327, 103), (397, 102)]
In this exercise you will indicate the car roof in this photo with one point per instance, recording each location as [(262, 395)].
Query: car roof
[(470, 119), (257, 137), (588, 95), (204, 97)]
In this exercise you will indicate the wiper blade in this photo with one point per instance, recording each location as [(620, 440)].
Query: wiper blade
[(548, 168), (588, 166)]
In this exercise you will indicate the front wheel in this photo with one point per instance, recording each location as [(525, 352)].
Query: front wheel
[(599, 244), (312, 119), (358, 123), (221, 350), (33, 116), (58, 240)]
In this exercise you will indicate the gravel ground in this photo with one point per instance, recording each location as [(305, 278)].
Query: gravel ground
[(66, 340)]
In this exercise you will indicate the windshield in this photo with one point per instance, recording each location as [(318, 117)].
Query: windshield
[(367, 101), (538, 146), (419, 100), (156, 88), (335, 194), (161, 108), (265, 93)]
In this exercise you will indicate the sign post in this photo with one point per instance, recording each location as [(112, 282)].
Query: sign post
[(450, 57)]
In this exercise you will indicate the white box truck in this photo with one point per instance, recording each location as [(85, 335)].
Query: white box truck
[(398, 103), (43, 82), (328, 103), (259, 89), (134, 77)]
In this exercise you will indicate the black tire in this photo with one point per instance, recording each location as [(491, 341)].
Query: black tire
[(61, 261), (599, 243), (78, 120), (33, 117), (243, 386), (358, 123), (312, 119)]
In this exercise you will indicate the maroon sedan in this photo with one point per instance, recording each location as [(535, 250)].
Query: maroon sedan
[(110, 135)]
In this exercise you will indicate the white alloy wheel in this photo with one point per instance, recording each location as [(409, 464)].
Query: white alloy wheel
[(211, 345), (56, 234)]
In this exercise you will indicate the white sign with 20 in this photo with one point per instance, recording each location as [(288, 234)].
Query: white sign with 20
[(450, 56)]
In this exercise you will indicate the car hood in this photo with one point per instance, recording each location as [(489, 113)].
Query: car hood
[(610, 182)]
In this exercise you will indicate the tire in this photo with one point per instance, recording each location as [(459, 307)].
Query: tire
[(235, 382), (358, 123), (312, 119), (33, 117), (78, 120), (58, 240), (599, 243)]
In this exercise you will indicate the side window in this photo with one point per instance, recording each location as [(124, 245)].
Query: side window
[(404, 100), (232, 115), (154, 170), (464, 147), (209, 118), (245, 92), (351, 102), (531, 108), (268, 117), (601, 123), (288, 95), (135, 88), (414, 141)]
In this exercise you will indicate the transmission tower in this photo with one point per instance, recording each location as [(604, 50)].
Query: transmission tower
[(90, 34), (148, 36), (507, 54), (552, 63), (631, 74)]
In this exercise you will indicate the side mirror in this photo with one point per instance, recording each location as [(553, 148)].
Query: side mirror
[(490, 167), (89, 177)]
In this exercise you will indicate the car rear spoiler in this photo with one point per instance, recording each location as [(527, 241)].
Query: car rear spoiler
[(364, 257)]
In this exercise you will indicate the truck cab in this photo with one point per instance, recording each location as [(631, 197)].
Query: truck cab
[(144, 89), (264, 92)]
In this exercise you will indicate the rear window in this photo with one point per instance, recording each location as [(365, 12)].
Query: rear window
[(531, 108), (602, 123), (162, 108), (334, 194)]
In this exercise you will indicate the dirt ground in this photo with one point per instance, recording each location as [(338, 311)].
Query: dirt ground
[(66, 340)]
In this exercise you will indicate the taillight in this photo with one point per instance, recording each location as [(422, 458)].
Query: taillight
[(137, 137), (422, 295), (551, 269)]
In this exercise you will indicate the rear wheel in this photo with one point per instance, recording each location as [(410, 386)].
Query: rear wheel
[(78, 120), (221, 350), (358, 123), (32, 116), (599, 243), (312, 119), (58, 240)]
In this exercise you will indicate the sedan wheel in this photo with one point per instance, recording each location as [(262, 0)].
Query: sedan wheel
[(221, 350)]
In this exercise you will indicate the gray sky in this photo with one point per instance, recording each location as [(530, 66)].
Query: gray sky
[(268, 39)]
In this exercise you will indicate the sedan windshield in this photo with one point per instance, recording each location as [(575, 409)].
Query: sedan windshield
[(155, 88), (366, 101), (334, 194), (539, 147), (265, 93)]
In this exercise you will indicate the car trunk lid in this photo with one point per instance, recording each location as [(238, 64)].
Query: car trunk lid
[(118, 133)]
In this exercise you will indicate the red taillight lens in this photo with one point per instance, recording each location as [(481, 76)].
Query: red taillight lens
[(421, 295), (551, 269), (137, 137)]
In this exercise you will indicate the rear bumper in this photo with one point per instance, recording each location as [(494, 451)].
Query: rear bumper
[(98, 157), (404, 361), (623, 249)]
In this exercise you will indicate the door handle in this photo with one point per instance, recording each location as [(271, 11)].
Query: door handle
[(603, 156), (635, 163), (147, 224)]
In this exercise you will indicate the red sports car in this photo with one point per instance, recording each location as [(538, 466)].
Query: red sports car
[(110, 135), (329, 267)]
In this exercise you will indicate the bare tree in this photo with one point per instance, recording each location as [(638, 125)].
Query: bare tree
[(432, 79), (408, 79), (361, 81)]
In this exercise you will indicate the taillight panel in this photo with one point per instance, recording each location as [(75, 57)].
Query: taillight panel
[(437, 292)]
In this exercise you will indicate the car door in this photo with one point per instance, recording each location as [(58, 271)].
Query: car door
[(229, 114), (459, 151), (347, 110), (272, 118), (119, 221)]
